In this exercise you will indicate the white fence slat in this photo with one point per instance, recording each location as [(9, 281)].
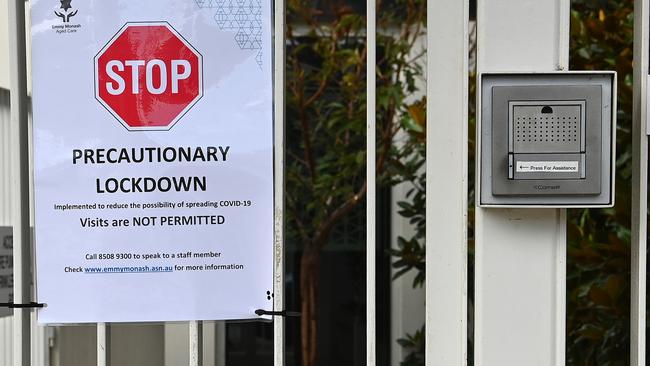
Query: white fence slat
[(446, 198)]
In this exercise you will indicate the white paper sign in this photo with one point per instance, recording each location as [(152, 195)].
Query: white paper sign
[(547, 167), (6, 270), (153, 156)]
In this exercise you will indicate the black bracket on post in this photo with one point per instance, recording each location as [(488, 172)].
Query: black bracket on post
[(31, 305), (283, 313)]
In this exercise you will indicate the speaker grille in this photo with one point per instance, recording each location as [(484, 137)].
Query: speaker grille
[(546, 128)]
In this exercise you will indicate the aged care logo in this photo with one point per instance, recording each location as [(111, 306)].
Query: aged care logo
[(66, 14), (65, 11)]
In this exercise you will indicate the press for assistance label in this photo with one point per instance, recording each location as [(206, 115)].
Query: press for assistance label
[(547, 167)]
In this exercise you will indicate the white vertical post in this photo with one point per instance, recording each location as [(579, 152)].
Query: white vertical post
[(521, 253), (279, 184), (371, 195), (220, 344), (196, 343), (20, 181), (639, 184), (103, 344), (446, 198)]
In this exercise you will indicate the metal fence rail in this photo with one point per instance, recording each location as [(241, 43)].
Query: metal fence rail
[(446, 191), (639, 185), (371, 183), (520, 250), (279, 45), (20, 182), (6, 323)]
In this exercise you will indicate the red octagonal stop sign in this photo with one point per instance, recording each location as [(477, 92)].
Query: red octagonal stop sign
[(148, 76)]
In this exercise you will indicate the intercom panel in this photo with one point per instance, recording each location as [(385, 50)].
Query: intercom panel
[(546, 139)]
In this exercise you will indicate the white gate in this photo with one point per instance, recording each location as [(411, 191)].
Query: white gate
[(539, 30)]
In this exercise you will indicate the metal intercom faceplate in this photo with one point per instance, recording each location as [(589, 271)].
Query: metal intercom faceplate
[(546, 139), (539, 128)]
